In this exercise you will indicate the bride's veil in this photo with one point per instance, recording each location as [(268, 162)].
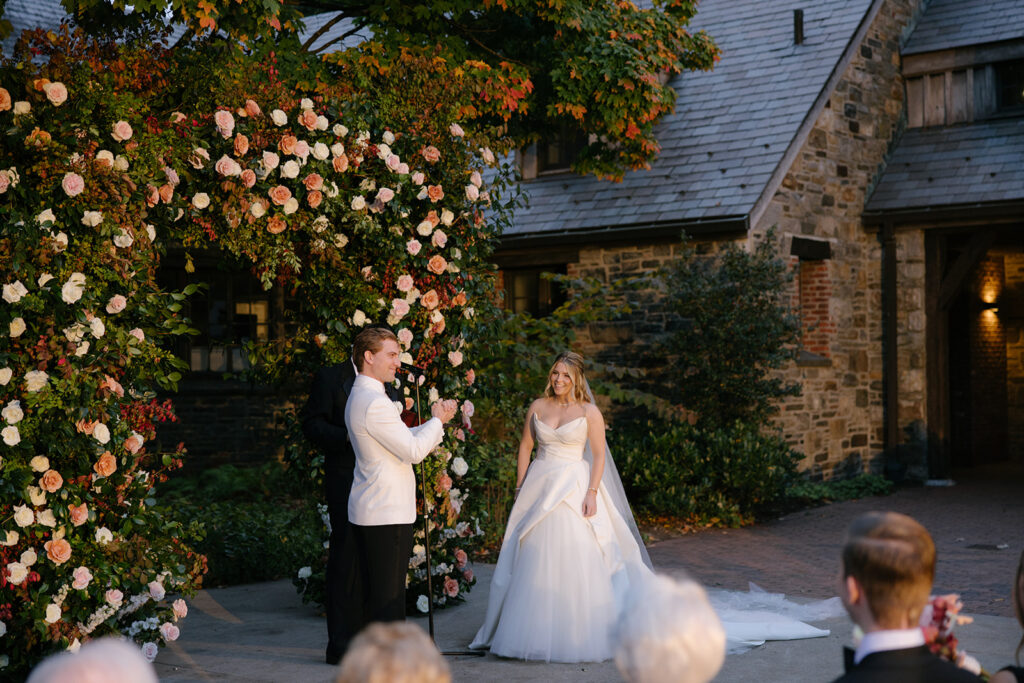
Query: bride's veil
[(612, 484)]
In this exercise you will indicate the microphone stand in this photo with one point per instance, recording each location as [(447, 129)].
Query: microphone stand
[(417, 373)]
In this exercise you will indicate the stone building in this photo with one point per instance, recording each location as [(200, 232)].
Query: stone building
[(884, 140)]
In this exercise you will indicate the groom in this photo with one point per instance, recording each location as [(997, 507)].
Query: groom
[(382, 503)]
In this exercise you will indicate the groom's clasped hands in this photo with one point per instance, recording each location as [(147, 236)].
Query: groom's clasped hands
[(444, 410)]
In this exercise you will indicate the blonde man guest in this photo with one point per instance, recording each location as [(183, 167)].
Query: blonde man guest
[(670, 634), (105, 660), (393, 652)]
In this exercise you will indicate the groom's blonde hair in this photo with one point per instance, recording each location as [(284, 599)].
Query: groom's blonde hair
[(893, 559), (574, 364), (370, 339)]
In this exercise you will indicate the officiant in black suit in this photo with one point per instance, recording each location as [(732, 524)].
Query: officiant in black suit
[(323, 423), (888, 566)]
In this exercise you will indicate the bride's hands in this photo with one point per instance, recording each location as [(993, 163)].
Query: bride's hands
[(590, 503)]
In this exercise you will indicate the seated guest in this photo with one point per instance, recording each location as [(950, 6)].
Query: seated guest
[(669, 633), (1015, 674), (888, 566), (104, 660), (393, 652)]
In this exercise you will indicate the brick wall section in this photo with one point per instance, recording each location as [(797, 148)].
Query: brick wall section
[(1011, 312), (817, 326), (988, 369)]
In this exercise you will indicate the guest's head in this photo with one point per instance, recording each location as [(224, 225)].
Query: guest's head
[(105, 660), (887, 573), (393, 652), (375, 352), (566, 381), (669, 633)]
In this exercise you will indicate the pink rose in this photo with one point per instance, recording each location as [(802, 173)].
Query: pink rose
[(413, 247), (179, 606), (439, 239), (393, 162), (226, 166), (405, 336), (460, 558), (133, 443), (418, 178), (429, 300), (460, 435), (280, 194), (444, 482), (248, 177), (116, 304), (169, 631), (472, 193), (467, 406), (308, 119), (56, 93), (475, 178), (385, 194), (73, 184), (149, 651), (456, 130), (79, 514), (455, 358), (5, 182), (251, 108), (301, 149), (114, 597), (451, 587), (82, 577), (138, 334), (437, 264), (399, 307), (431, 154), (403, 169), (468, 575), (225, 122), (121, 131), (405, 283), (156, 590)]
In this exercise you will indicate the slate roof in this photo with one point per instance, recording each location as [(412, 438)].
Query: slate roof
[(25, 14), (951, 166), (314, 22), (958, 23), (730, 129)]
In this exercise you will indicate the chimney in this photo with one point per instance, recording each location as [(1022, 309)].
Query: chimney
[(798, 27)]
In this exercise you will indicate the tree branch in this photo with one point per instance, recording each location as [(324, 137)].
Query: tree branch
[(341, 16), (343, 36)]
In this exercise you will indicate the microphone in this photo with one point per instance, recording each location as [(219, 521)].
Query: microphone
[(414, 370)]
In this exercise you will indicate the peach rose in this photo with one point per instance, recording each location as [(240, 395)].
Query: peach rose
[(248, 177), (121, 131), (51, 481), (470, 377), (413, 247), (106, 465), (340, 163), (251, 108), (308, 119), (133, 443), (437, 264), (314, 181), (451, 587), (152, 195), (79, 514), (279, 194), (73, 184), (117, 303), (166, 192), (276, 225), (431, 154), (435, 193), (460, 558), (241, 145), (405, 282), (287, 144), (314, 198), (5, 100), (429, 300), (225, 122), (59, 551), (85, 426)]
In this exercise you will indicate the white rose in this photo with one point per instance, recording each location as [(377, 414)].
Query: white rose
[(333, 190), (278, 117), (23, 515), (97, 327), (104, 536), (92, 218), (388, 137), (36, 495), (383, 151), (18, 572), (9, 538), (321, 223), (101, 432), (321, 151), (14, 292), (321, 122), (290, 206), (257, 209), (340, 240), (305, 572), (305, 103), (405, 358), (150, 650), (433, 396), (74, 288), (422, 604), (290, 169), (40, 463), (358, 203), (105, 155), (121, 163), (21, 108), (201, 200), (270, 161), (11, 435), (337, 149), (46, 216), (75, 645), (151, 232), (29, 557), (17, 327), (459, 466), (46, 518), (358, 318), (12, 412), (74, 333), (60, 241), (52, 613), (43, 279), (447, 216), (5, 376), (340, 130)]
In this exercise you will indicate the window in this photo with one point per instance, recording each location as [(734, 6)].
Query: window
[(554, 154), (527, 291), (1010, 85)]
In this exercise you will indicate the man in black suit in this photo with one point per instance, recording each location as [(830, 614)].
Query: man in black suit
[(323, 423), (888, 569)]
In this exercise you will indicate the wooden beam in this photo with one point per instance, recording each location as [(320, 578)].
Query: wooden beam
[(890, 342), (977, 247)]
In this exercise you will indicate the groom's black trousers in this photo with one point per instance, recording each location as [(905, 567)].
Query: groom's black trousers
[(382, 553)]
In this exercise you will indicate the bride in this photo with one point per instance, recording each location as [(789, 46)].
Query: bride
[(572, 552)]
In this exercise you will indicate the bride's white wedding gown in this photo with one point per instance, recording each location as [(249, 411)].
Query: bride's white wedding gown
[(562, 580)]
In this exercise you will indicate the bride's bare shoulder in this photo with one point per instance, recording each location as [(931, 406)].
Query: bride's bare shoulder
[(592, 412)]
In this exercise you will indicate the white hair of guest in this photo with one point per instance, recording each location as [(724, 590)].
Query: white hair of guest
[(669, 633), (104, 660)]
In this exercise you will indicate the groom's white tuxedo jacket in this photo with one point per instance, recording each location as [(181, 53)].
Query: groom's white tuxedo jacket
[(383, 483)]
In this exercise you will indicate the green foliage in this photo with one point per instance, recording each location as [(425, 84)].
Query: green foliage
[(724, 475), (804, 492), (736, 329)]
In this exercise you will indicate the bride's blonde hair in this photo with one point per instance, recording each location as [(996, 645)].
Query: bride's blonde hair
[(574, 364)]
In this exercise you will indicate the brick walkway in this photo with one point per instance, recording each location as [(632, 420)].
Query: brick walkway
[(799, 554)]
